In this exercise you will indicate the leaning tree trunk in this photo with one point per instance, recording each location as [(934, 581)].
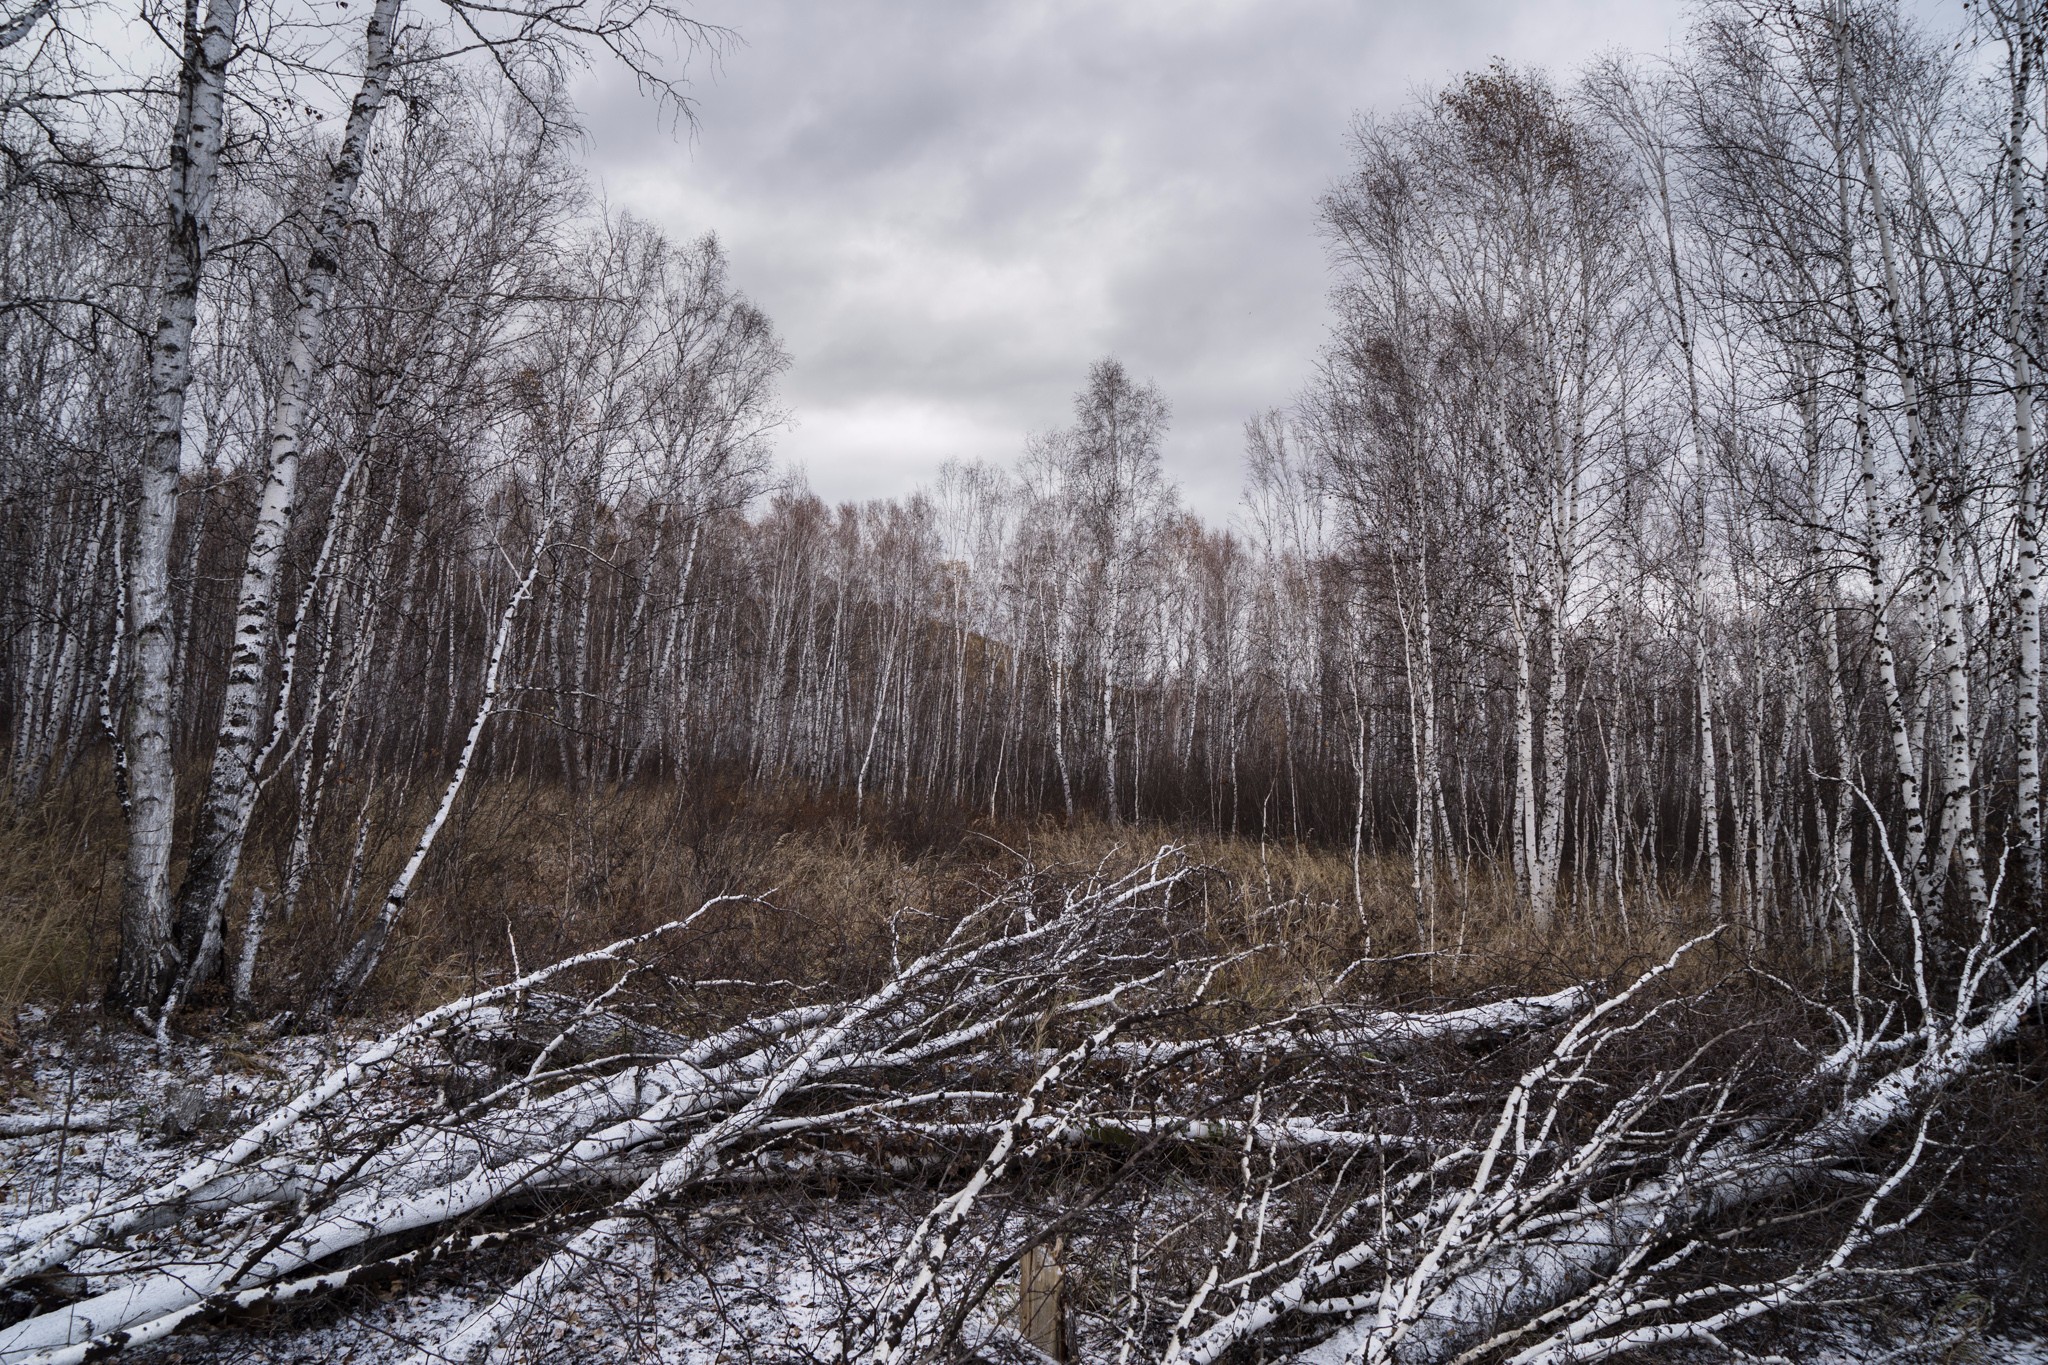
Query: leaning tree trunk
[(231, 786), (363, 957)]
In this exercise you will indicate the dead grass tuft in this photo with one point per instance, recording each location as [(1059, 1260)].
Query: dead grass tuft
[(60, 889)]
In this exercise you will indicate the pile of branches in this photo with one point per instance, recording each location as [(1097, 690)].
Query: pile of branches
[(1549, 1178)]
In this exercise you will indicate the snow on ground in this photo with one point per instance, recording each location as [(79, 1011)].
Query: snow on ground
[(1931, 1343), (132, 1113), (705, 1287), (772, 1275), (766, 1278)]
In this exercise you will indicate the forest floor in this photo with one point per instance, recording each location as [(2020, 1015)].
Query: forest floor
[(777, 1274), (780, 1271), (785, 1255)]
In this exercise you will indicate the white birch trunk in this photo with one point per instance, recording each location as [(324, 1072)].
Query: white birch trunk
[(2027, 521), (147, 962), (1059, 710), (1957, 827), (1710, 786), (1525, 749), (369, 948), (1550, 840)]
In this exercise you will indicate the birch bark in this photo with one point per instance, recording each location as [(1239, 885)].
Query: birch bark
[(362, 958), (148, 960), (2027, 526), (231, 783), (1957, 827)]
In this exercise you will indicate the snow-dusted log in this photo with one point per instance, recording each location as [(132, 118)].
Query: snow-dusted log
[(1108, 1126), (1511, 1246), (97, 1119), (580, 1125), (1349, 1032)]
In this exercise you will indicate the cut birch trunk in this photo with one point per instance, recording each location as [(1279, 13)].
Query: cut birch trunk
[(1041, 1302)]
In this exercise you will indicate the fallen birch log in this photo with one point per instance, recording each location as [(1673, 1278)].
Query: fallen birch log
[(1501, 1248), (924, 1059)]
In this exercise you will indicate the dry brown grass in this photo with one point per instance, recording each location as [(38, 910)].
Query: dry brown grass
[(1301, 905), (534, 872), (60, 886)]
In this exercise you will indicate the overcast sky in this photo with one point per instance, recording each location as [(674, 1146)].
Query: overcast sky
[(950, 207)]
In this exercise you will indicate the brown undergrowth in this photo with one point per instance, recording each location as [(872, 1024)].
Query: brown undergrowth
[(60, 892), (529, 872)]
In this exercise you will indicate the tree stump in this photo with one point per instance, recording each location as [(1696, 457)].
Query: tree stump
[(1041, 1304)]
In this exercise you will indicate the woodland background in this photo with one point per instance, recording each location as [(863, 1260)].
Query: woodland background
[(396, 576)]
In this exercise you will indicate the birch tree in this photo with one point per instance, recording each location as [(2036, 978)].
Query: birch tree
[(148, 958)]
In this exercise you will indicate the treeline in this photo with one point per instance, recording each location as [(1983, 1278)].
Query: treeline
[(1663, 518)]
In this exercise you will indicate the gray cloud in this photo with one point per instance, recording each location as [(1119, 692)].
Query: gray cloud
[(950, 208)]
